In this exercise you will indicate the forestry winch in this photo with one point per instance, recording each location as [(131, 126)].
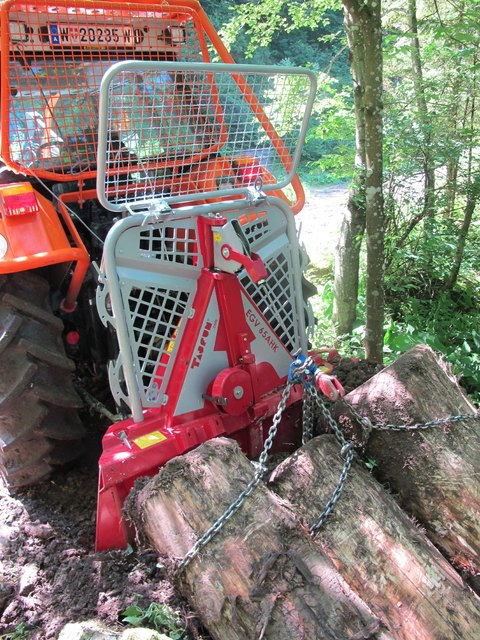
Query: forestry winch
[(203, 287), (136, 152)]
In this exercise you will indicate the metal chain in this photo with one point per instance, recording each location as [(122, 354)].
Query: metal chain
[(254, 482), (329, 419), (349, 454), (311, 401), (308, 413), (96, 405), (368, 425), (347, 451)]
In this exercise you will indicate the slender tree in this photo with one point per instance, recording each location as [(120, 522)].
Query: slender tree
[(347, 252), (423, 114), (364, 17)]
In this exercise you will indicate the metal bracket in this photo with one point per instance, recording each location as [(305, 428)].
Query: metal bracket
[(218, 400), (157, 211), (255, 195)]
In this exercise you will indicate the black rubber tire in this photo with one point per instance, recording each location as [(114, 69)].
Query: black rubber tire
[(39, 422)]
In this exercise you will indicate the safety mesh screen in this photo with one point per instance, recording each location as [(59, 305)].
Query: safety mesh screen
[(58, 55), (170, 119), (276, 299), (170, 243), (155, 316), (255, 226)]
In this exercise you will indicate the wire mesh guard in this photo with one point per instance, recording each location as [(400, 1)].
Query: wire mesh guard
[(276, 298), (161, 124), (160, 265), (156, 268), (58, 55)]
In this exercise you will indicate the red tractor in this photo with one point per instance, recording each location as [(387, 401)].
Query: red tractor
[(145, 235)]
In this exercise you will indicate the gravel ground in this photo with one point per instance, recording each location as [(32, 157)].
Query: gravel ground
[(319, 222)]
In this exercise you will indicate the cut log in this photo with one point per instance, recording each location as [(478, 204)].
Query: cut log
[(377, 548), (261, 576), (436, 472)]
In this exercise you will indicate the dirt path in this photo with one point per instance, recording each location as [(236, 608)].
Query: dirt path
[(320, 221)]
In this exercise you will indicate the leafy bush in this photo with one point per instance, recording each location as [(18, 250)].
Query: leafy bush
[(21, 632), (450, 325), (156, 616)]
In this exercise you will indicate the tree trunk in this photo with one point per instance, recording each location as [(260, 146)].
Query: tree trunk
[(423, 116), (261, 576), (434, 472), (365, 17), (374, 182), (472, 199), (377, 549), (347, 252)]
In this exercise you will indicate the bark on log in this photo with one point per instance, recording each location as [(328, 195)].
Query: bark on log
[(377, 549), (261, 576), (436, 472)]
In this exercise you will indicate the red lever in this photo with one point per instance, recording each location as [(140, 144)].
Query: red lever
[(329, 386), (253, 264)]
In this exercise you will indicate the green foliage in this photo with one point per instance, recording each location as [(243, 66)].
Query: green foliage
[(370, 464), (449, 324), (21, 632), (159, 617), (266, 20), (349, 345), (422, 311), (330, 142)]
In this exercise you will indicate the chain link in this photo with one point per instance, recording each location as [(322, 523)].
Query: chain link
[(349, 453), (329, 419), (308, 418), (368, 426)]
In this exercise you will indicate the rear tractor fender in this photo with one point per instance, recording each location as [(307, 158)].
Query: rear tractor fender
[(32, 236)]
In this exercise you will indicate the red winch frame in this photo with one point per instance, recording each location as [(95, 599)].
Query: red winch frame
[(131, 449)]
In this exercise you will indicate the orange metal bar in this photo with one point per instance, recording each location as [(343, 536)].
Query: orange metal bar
[(68, 304), (38, 240)]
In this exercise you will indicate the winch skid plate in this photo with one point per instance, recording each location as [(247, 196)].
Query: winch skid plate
[(203, 286)]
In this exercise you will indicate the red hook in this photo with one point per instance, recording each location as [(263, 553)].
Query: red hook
[(329, 386)]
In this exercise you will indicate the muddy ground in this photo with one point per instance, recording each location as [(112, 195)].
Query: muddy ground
[(50, 573)]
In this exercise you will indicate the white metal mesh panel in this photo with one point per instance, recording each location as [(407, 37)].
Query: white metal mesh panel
[(146, 294), (155, 315), (58, 55), (170, 243), (174, 122), (149, 287), (276, 299)]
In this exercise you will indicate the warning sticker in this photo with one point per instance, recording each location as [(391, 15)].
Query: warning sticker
[(150, 439)]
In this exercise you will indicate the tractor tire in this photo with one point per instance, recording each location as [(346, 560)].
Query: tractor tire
[(39, 422)]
